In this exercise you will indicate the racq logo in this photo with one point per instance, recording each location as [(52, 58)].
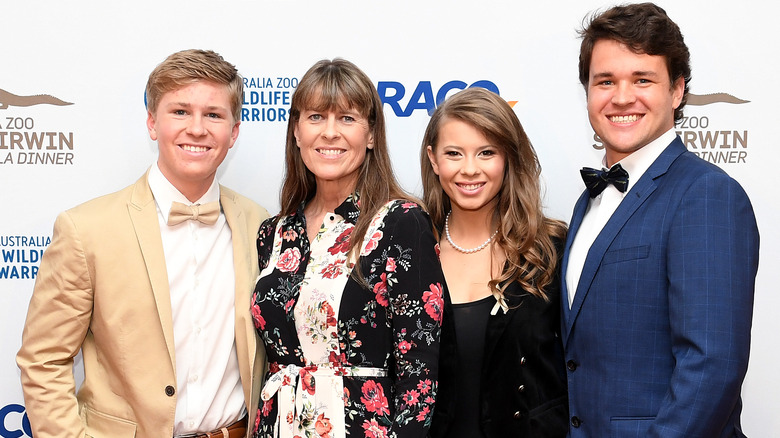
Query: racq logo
[(423, 97), (15, 417)]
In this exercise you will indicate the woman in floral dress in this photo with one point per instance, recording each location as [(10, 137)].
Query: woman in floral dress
[(349, 300)]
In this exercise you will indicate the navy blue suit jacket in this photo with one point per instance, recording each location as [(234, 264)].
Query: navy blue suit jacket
[(658, 336)]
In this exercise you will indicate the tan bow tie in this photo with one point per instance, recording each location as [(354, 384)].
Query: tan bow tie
[(205, 213)]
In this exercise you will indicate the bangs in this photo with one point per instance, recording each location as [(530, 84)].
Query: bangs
[(334, 93)]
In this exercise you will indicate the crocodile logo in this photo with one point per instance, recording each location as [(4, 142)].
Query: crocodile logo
[(9, 99), (707, 99)]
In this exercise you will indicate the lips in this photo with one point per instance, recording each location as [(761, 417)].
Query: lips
[(625, 119)]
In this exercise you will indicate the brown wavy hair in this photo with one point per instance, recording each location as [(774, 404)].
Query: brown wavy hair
[(187, 66), (340, 85), (525, 234), (645, 29)]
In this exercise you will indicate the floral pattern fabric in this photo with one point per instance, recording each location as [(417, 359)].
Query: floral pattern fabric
[(349, 359)]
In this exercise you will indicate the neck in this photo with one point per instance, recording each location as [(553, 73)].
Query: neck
[(330, 194), (472, 227)]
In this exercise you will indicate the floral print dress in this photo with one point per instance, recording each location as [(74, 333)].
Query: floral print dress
[(346, 359)]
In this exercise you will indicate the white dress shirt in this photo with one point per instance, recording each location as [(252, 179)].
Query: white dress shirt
[(199, 262), (601, 208)]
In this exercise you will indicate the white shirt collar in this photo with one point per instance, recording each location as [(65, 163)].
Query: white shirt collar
[(165, 193), (637, 163)]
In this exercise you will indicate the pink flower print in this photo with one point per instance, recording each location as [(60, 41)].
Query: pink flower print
[(390, 266), (380, 290), (307, 380), (323, 426), (411, 397), (423, 414), (342, 242), (374, 398), (289, 260), (267, 406), (434, 303), (330, 315), (374, 430), (407, 205), (373, 243), (404, 346), (289, 235), (258, 318), (424, 386), (289, 305), (333, 270)]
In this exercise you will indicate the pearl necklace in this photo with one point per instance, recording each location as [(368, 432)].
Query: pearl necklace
[(460, 248)]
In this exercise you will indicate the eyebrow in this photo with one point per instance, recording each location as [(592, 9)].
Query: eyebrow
[(189, 105), (608, 74)]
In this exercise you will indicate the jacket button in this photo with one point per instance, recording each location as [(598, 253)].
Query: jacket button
[(521, 388), (575, 421), (517, 415), (571, 365), (169, 391), (522, 360)]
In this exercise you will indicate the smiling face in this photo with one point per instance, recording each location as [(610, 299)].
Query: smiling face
[(194, 128), (333, 146), (631, 99), (470, 168)]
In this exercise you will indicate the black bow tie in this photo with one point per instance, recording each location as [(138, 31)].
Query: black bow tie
[(598, 180)]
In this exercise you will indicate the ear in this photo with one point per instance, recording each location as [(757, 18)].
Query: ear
[(678, 89), (150, 125), (234, 134), (370, 144), (295, 134), (432, 159)]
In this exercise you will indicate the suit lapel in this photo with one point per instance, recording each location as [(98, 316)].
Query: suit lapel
[(638, 194), (579, 213), (244, 327), (143, 215)]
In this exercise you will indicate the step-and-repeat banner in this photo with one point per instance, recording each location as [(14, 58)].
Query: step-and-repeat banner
[(72, 116)]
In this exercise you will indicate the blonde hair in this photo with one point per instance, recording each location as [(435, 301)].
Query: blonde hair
[(339, 84), (187, 66), (524, 233)]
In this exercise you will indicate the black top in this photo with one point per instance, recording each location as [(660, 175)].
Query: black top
[(470, 321), (522, 378)]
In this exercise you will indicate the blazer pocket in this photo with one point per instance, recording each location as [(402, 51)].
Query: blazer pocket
[(100, 425), (630, 426), (626, 254)]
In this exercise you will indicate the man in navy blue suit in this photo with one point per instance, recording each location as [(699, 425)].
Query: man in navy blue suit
[(662, 254)]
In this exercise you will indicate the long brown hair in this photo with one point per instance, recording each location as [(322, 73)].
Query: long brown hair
[(340, 85), (525, 235)]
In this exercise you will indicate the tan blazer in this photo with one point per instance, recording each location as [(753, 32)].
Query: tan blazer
[(103, 288)]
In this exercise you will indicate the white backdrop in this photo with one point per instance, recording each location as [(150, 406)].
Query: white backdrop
[(97, 56)]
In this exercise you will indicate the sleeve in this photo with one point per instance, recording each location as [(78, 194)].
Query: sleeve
[(712, 264), (57, 322), (415, 286)]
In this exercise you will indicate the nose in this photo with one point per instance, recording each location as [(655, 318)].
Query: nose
[(196, 127), (330, 129), (470, 166), (624, 94)]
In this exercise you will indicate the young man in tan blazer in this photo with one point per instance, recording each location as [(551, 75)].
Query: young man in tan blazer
[(153, 283)]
